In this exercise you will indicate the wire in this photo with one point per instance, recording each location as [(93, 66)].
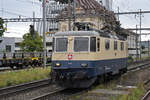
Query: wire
[(29, 1), (12, 13), (127, 8)]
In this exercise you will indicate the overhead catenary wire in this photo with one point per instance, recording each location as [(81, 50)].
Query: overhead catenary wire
[(12, 13), (30, 2), (118, 9)]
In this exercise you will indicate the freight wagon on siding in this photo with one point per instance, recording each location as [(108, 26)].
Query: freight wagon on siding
[(22, 60)]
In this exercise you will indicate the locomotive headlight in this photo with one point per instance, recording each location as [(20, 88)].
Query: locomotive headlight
[(70, 38), (84, 65), (57, 64)]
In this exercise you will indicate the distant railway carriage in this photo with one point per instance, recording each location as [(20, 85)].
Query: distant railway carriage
[(82, 57)]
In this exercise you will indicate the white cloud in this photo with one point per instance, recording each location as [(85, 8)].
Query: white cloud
[(16, 31)]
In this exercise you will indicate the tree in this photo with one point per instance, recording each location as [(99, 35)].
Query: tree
[(32, 42), (2, 30)]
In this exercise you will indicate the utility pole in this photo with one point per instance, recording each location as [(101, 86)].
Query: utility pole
[(69, 15), (44, 31), (140, 34), (34, 19), (118, 14), (74, 12), (148, 48), (136, 41)]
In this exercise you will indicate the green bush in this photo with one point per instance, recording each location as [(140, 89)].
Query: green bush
[(23, 76), (144, 52), (130, 59)]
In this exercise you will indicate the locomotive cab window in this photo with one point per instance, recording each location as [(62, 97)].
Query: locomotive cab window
[(93, 44), (61, 44), (81, 44), (107, 44), (115, 45), (122, 46)]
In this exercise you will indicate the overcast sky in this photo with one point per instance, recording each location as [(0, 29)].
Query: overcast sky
[(25, 8), (130, 21), (14, 8)]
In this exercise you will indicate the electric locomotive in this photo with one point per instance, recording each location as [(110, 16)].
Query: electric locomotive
[(80, 58)]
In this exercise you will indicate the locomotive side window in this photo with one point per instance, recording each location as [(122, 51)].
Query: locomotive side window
[(115, 45), (53, 45), (122, 46), (98, 44), (61, 44), (107, 44), (93, 44), (81, 44)]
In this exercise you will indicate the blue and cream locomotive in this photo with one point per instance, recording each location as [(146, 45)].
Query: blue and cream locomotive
[(82, 57)]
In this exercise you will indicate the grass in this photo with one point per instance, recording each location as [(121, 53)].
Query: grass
[(134, 94), (23, 76)]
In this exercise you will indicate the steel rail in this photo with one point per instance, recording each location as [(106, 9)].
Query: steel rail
[(139, 67), (146, 96), (4, 69), (20, 88), (46, 96)]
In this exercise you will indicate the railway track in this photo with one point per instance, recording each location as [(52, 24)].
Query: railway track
[(5, 69), (61, 94), (50, 95), (8, 91), (57, 94), (147, 96), (138, 67)]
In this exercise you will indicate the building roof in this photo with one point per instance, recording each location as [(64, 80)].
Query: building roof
[(90, 8), (89, 4)]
